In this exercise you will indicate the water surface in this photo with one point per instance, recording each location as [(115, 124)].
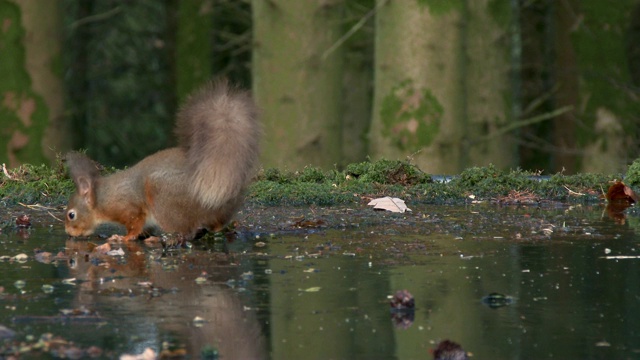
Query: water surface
[(314, 284)]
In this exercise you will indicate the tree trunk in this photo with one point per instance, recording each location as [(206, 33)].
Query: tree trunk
[(486, 74), (297, 81), (442, 85), (566, 79), (31, 106), (358, 87), (193, 55), (536, 86), (607, 108)]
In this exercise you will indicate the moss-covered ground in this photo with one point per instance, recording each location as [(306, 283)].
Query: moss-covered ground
[(30, 184)]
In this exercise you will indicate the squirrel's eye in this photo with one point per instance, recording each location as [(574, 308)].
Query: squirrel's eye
[(71, 214)]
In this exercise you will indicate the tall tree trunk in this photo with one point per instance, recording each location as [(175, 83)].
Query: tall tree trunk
[(297, 80), (564, 125), (536, 86), (31, 95), (442, 84), (358, 87), (486, 75), (193, 55), (608, 107)]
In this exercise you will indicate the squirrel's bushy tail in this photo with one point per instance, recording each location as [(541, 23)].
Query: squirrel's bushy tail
[(219, 129)]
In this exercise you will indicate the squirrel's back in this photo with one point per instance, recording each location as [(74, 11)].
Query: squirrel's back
[(218, 129)]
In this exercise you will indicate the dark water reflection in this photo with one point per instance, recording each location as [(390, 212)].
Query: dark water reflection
[(322, 293)]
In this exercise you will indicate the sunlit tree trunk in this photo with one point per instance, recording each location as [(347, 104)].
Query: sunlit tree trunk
[(31, 92), (442, 84), (297, 81)]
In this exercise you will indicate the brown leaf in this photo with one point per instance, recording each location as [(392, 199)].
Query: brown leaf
[(619, 192)]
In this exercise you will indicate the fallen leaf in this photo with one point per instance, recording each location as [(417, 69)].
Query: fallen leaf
[(390, 204), (621, 192), (619, 198)]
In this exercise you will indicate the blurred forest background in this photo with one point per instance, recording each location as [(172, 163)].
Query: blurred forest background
[(548, 85)]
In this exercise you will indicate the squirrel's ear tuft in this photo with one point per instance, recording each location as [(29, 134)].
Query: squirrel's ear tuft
[(84, 185), (84, 173), (81, 166)]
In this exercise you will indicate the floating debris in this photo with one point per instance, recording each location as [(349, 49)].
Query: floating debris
[(69, 281), (118, 252), (198, 321), (497, 300), (401, 301), (6, 333), (449, 350), (147, 354), (23, 221)]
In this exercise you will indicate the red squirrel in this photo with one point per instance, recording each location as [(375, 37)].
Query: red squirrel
[(197, 185)]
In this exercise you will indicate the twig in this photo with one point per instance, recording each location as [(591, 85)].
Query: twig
[(522, 123), (353, 29), (6, 173), (55, 217), (571, 192), (105, 15), (36, 207)]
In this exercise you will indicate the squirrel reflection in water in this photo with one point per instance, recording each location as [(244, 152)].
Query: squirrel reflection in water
[(157, 299)]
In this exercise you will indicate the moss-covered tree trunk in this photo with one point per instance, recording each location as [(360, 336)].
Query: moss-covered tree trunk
[(297, 81), (442, 84), (31, 92)]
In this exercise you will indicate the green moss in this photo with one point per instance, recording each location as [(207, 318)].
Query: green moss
[(298, 193), (358, 182), (410, 116), (632, 178), (387, 172), (31, 184), (492, 182)]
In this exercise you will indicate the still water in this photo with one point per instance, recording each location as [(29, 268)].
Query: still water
[(283, 288)]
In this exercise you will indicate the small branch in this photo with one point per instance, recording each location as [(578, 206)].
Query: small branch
[(98, 17), (6, 173), (353, 29), (36, 207), (522, 123), (571, 192), (55, 217)]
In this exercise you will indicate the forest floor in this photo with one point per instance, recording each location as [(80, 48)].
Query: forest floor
[(291, 200), (358, 182)]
